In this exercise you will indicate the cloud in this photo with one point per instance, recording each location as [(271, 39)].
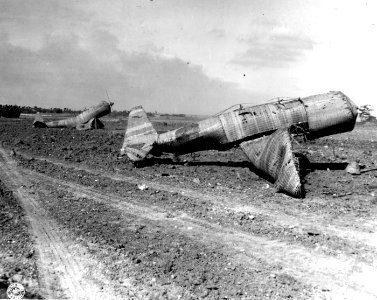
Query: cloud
[(29, 22), (272, 46), (69, 72), (218, 33)]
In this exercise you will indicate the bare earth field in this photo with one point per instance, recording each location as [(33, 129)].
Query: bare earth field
[(75, 225)]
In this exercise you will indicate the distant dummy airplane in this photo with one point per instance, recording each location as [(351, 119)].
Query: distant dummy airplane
[(88, 119), (263, 132)]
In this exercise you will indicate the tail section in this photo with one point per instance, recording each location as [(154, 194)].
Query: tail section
[(140, 135), (38, 121)]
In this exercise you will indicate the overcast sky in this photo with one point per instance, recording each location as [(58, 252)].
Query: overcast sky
[(189, 56)]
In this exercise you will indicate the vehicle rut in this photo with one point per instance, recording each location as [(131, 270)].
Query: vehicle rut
[(63, 272), (237, 203)]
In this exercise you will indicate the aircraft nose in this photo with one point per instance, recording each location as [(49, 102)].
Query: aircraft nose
[(353, 107)]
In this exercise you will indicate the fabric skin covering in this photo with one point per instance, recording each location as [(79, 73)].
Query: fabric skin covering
[(262, 131), (88, 119), (273, 156)]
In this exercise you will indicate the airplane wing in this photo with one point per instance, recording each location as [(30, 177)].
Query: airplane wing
[(273, 156)]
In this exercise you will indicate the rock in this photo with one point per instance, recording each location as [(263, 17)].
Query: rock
[(196, 180), (137, 260), (29, 282), (4, 276), (17, 278), (353, 168), (313, 232), (121, 246), (249, 217), (168, 267), (212, 287), (30, 253), (142, 187), (19, 142)]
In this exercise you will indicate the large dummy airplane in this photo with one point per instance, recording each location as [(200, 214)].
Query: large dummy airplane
[(264, 133), (88, 119)]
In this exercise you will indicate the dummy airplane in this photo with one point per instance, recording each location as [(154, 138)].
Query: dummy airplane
[(88, 119), (264, 133)]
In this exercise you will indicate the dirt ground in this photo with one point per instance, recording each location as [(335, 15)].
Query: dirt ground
[(76, 222)]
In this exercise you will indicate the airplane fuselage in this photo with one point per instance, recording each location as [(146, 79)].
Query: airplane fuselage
[(262, 132), (316, 116), (96, 111)]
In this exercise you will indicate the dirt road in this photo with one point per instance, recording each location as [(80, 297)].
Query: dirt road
[(226, 234)]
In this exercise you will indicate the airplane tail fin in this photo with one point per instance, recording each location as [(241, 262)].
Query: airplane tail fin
[(38, 121), (140, 135)]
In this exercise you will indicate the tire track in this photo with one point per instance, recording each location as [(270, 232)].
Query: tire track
[(53, 248), (366, 235), (344, 278)]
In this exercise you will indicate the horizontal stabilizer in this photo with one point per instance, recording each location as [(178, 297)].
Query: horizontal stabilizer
[(140, 135), (39, 122), (273, 156)]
